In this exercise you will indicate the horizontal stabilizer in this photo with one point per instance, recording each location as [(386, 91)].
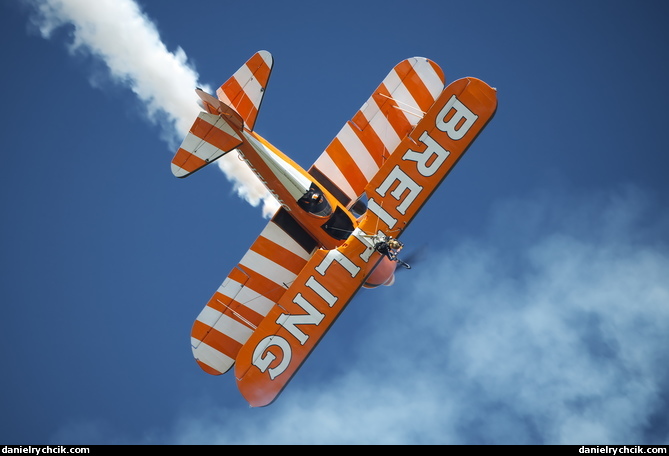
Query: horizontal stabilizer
[(210, 137)]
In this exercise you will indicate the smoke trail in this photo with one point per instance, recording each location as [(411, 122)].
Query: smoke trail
[(125, 39)]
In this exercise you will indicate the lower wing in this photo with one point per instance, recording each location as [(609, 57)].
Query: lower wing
[(249, 292)]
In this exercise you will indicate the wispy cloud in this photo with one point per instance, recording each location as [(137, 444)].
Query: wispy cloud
[(556, 337), (119, 34)]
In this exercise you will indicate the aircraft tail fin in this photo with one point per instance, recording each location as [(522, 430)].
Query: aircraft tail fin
[(235, 107), (245, 89)]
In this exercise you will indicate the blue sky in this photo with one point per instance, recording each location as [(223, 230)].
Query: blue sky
[(538, 306)]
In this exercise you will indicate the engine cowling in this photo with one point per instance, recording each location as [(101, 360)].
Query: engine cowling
[(383, 274)]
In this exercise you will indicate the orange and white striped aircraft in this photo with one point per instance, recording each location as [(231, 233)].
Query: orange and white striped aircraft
[(339, 222)]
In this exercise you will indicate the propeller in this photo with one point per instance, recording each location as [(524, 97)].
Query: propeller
[(417, 255)]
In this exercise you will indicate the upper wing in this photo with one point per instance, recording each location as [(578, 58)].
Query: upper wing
[(249, 292), (365, 142), (291, 330), (245, 89), (429, 153)]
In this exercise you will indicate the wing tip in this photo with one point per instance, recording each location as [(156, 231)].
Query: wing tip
[(178, 171), (267, 57), (207, 368)]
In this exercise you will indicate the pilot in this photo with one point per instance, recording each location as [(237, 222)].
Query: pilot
[(312, 201), (316, 198)]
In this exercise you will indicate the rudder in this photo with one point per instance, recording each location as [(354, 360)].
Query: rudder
[(245, 89)]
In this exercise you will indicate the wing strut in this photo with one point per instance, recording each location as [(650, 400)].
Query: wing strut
[(411, 110)]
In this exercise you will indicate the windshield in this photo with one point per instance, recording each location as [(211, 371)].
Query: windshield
[(359, 207)]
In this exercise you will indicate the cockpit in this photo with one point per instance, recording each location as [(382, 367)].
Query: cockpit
[(339, 226), (315, 202)]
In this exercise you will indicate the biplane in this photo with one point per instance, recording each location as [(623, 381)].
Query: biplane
[(339, 222)]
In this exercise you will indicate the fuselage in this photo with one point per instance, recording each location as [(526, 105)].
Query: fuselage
[(311, 205)]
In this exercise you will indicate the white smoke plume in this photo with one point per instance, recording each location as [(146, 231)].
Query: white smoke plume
[(126, 40)]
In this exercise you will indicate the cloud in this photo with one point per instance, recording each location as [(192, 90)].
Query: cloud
[(119, 34), (568, 346), (556, 337)]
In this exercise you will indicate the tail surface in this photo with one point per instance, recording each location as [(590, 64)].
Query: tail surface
[(218, 131), (210, 137), (245, 89)]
